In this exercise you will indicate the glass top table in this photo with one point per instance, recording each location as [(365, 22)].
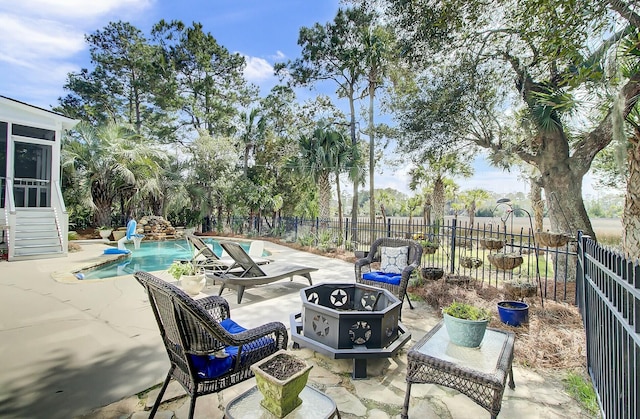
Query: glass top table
[(480, 373), (314, 405)]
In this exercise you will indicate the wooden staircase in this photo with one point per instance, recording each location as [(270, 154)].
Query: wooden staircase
[(37, 234)]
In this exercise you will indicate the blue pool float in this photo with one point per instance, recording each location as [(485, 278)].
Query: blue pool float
[(116, 251)]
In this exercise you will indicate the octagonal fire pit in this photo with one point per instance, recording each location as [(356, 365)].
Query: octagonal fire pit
[(349, 321)]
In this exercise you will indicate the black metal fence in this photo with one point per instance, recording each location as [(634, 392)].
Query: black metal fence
[(460, 249), (608, 288)]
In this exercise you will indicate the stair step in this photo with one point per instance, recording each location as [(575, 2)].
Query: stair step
[(36, 246)]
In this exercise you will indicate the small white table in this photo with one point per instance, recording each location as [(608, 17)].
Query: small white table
[(314, 405)]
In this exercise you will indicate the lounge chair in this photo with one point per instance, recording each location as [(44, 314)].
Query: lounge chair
[(245, 273), (204, 256), (207, 350), (398, 258)]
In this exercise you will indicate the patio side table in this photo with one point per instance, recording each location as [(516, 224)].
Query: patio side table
[(479, 373), (314, 405)]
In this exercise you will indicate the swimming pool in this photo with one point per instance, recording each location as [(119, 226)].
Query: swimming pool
[(152, 256)]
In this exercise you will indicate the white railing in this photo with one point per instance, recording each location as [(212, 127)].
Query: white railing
[(10, 217), (30, 186), (61, 225)]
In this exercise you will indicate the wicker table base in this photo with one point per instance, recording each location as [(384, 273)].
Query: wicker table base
[(480, 373)]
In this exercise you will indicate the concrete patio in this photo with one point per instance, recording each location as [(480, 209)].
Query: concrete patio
[(86, 349)]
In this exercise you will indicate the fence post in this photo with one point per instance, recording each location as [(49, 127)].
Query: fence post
[(388, 227), (295, 229), (454, 226), (346, 232)]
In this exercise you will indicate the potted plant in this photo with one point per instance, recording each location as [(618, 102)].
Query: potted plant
[(517, 289), (513, 313), (470, 262), (280, 378), (551, 239), (429, 247), (465, 323), (505, 261), (191, 277), (104, 231), (432, 273), (492, 243)]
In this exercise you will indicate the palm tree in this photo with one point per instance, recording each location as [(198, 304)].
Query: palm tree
[(111, 162), (470, 200), (432, 177), (253, 132), (320, 155)]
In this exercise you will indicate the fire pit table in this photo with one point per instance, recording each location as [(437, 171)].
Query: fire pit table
[(349, 321)]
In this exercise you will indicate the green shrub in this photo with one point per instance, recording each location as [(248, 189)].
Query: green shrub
[(466, 311)]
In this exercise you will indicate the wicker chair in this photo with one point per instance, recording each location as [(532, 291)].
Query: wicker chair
[(195, 331), (363, 265)]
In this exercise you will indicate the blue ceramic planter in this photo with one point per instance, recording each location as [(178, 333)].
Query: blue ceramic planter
[(513, 313)]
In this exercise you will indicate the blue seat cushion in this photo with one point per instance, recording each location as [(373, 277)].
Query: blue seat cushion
[(209, 366), (386, 277)]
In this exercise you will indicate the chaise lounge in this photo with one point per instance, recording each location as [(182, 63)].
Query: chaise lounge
[(206, 258), (245, 272)]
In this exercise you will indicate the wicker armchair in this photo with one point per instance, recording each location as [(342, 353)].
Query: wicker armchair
[(363, 265), (195, 331)]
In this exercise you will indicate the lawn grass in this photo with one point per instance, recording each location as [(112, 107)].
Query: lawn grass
[(581, 389)]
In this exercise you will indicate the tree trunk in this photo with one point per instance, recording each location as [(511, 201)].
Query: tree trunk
[(563, 189), (427, 211), (340, 215), (102, 200), (631, 214), (372, 142), (356, 178), (535, 194), (324, 197), (472, 213), (438, 201)]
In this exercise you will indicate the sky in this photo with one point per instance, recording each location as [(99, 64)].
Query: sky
[(41, 41)]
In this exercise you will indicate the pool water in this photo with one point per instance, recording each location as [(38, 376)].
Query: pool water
[(152, 256)]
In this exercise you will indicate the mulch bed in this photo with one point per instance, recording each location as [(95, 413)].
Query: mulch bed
[(553, 338)]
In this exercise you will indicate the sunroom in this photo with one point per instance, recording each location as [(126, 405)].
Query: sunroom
[(35, 221)]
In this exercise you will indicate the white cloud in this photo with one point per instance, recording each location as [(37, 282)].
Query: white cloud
[(279, 55), (30, 42), (68, 10), (258, 69)]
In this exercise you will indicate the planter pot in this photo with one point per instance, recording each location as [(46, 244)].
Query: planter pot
[(467, 333), (550, 239), (462, 280), (432, 273), (513, 313), (118, 234), (491, 243), (519, 290), (505, 261), (429, 250), (105, 233), (280, 378), (193, 284), (470, 262)]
